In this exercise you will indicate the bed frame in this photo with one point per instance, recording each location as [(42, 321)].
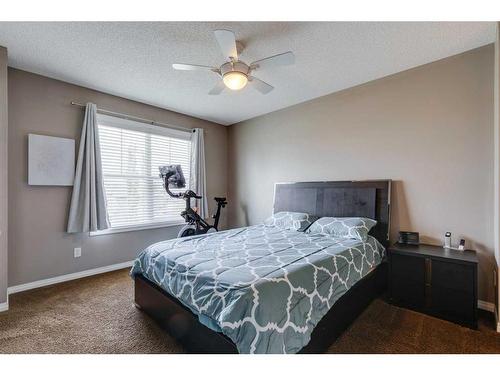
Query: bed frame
[(333, 198)]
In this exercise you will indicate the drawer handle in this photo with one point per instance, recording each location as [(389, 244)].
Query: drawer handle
[(428, 272), (428, 281)]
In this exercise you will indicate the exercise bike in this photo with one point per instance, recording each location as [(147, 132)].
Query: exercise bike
[(173, 177)]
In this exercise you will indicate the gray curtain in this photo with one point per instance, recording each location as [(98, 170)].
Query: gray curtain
[(88, 203), (197, 180)]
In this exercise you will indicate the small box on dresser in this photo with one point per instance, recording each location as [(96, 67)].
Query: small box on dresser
[(436, 281)]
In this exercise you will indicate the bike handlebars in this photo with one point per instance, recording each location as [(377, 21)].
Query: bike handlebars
[(165, 177), (186, 195)]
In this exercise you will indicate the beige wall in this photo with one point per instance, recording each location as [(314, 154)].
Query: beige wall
[(429, 129), (38, 245), (3, 175)]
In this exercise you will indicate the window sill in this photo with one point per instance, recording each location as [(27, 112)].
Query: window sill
[(136, 228)]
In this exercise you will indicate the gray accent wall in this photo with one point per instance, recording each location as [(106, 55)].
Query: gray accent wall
[(429, 129), (39, 247), (3, 176)]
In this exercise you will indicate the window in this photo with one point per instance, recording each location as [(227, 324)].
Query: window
[(131, 154)]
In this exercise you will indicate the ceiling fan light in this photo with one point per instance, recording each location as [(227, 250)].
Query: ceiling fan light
[(235, 80)]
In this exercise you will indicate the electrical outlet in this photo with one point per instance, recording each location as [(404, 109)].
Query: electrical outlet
[(77, 253)]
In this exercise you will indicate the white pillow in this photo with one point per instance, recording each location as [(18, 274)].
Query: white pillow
[(344, 227), (297, 221)]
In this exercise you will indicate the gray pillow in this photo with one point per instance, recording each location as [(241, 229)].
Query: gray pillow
[(297, 221), (344, 227)]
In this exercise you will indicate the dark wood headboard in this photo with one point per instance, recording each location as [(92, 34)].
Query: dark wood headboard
[(371, 199)]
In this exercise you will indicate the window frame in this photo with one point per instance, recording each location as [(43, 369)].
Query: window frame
[(127, 124)]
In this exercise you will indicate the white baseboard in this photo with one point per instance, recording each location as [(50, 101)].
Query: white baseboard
[(487, 306), (4, 306), (68, 277)]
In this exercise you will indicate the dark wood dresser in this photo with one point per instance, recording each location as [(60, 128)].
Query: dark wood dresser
[(435, 281)]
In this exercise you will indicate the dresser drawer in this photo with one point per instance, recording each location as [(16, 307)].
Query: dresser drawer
[(454, 305), (408, 268), (454, 276), (407, 293)]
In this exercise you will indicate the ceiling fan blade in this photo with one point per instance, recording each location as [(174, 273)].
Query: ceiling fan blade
[(261, 86), (194, 67), (218, 88), (287, 58), (227, 43)]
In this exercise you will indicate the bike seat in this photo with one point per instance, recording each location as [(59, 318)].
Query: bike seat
[(218, 199)]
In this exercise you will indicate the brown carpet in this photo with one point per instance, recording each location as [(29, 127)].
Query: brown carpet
[(97, 315)]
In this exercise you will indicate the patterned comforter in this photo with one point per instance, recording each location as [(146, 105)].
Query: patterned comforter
[(265, 288)]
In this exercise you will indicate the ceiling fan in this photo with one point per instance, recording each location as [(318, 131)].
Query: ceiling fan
[(235, 73)]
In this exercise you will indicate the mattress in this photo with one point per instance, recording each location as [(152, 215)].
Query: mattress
[(264, 287)]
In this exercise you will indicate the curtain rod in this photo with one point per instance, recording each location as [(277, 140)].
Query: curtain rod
[(139, 119)]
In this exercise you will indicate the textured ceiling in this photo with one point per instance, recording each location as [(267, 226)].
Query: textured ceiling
[(133, 60)]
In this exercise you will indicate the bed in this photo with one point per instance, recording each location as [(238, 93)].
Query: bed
[(263, 289)]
